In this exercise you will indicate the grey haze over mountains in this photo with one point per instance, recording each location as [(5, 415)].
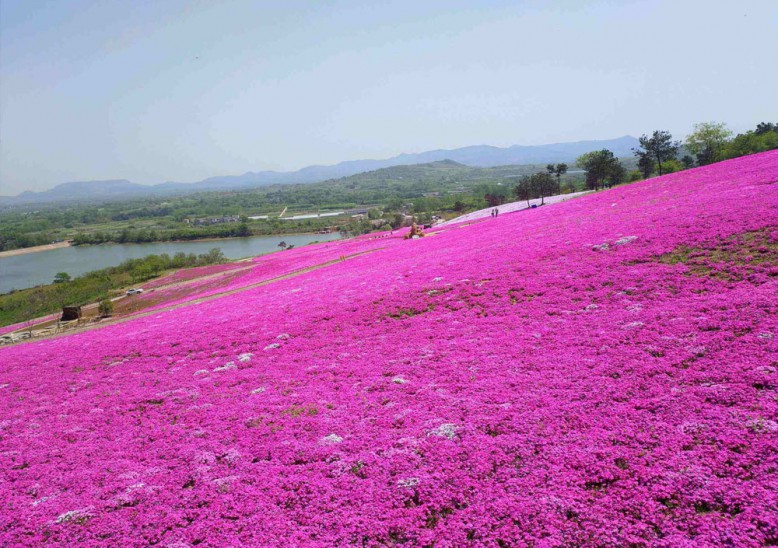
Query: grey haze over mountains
[(475, 156)]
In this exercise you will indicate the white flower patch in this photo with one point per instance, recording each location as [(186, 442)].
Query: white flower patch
[(331, 438), (201, 372), (272, 346), (245, 357), (408, 482), (42, 500), (226, 367), (284, 336), (633, 325), (626, 240), (399, 380), (258, 390), (446, 430)]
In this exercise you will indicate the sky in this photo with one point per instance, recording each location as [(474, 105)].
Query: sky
[(174, 90)]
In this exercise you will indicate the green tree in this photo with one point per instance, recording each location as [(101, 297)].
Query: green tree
[(523, 189), (707, 141), (61, 278), (765, 127), (616, 174), (601, 167), (764, 138), (559, 170), (671, 166), (243, 230), (646, 165), (542, 184), (214, 256), (493, 200), (660, 147)]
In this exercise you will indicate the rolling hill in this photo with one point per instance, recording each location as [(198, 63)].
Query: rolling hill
[(596, 372)]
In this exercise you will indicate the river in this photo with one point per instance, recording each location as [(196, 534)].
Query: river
[(23, 271)]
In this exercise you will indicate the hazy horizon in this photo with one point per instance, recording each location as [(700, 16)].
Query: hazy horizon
[(217, 175), (186, 90)]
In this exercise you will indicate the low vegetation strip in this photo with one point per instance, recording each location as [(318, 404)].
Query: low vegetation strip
[(28, 304), (534, 379)]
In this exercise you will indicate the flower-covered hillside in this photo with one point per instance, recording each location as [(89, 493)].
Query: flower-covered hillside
[(597, 372)]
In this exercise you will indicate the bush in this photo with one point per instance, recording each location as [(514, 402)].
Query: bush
[(105, 308), (672, 166), (61, 278)]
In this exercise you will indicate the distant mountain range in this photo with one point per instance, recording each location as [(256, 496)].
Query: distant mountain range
[(475, 156)]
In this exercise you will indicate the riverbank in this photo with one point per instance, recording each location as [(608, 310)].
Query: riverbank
[(35, 249), (29, 270)]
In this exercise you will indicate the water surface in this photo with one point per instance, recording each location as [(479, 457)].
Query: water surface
[(33, 269)]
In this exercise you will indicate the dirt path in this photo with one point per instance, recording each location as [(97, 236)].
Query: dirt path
[(122, 319), (199, 279), (35, 249)]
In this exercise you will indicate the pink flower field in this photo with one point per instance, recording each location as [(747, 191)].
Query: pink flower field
[(187, 274), (599, 372)]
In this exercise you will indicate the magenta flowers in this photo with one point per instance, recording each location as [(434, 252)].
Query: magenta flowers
[(597, 372)]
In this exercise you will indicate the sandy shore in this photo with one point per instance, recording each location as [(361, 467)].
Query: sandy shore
[(25, 250)]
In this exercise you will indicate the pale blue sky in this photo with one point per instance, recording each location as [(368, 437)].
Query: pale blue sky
[(182, 90)]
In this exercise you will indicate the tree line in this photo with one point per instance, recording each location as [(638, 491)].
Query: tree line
[(660, 154), (136, 236)]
